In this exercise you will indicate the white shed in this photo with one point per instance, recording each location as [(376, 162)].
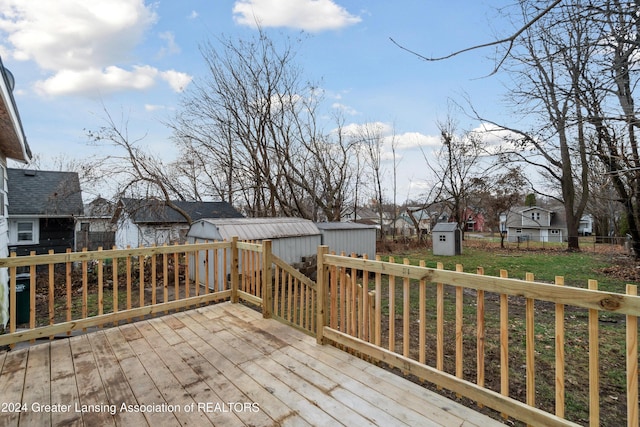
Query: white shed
[(447, 239), (292, 238), (349, 237)]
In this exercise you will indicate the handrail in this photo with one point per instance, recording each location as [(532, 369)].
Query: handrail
[(585, 298)]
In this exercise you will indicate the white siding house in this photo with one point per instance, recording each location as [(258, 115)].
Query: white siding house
[(536, 224), (151, 222), (13, 145)]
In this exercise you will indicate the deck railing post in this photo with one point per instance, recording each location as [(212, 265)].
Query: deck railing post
[(235, 279), (323, 297), (267, 280)]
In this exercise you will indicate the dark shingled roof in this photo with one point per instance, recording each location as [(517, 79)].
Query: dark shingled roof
[(44, 193), (156, 211)]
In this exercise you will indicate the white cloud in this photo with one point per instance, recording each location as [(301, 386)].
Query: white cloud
[(84, 46), (408, 140), (193, 15), (171, 47), (308, 15), (153, 107), (96, 81), (345, 109), (176, 79), (74, 34), (497, 139)]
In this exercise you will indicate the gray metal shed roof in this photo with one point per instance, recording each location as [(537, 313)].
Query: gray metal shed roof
[(445, 226), (343, 226), (259, 228)]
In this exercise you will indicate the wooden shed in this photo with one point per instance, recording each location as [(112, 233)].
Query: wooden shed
[(447, 239), (292, 238), (349, 237)]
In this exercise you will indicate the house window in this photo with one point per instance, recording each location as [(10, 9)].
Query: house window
[(442, 237), (535, 216), (518, 230), (555, 231), (25, 232)]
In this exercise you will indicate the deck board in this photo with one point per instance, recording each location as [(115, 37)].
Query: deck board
[(202, 361)]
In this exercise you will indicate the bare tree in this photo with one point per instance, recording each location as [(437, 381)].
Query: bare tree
[(251, 127), (135, 169), (547, 68), (498, 194), (580, 63), (370, 139), (456, 167)]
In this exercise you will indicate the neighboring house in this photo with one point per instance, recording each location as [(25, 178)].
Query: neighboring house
[(585, 228), (43, 207), (362, 215), (423, 218), (13, 145), (537, 224), (474, 220), (95, 228), (369, 216), (403, 226), (142, 222)]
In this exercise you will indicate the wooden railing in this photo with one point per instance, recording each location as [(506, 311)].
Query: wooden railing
[(456, 330), (75, 291), (62, 293), (420, 320), (294, 297)]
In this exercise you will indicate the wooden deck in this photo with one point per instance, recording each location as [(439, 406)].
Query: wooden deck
[(220, 365)]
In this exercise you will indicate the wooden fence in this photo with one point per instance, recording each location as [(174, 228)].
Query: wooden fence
[(423, 321)]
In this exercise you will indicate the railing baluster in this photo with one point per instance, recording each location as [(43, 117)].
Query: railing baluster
[(378, 306), (68, 266), (114, 266), (406, 313), (141, 284), (392, 309), (594, 364), (85, 285), (422, 323), (154, 278), (128, 264), (632, 363), (459, 327), (440, 323), (12, 298), (480, 334), (165, 277), (504, 342), (530, 347), (343, 298), (100, 285), (559, 342), (333, 297), (176, 273)]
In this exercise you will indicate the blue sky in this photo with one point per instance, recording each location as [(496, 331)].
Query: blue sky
[(72, 58)]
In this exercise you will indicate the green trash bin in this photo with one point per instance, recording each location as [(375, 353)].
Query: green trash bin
[(22, 298)]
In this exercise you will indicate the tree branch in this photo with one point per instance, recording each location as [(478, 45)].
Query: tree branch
[(511, 40)]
